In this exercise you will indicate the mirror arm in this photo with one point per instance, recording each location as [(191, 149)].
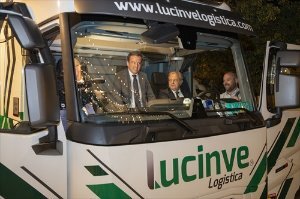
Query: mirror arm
[(276, 119), (49, 144), (277, 74), (278, 112), (51, 136), (278, 109)]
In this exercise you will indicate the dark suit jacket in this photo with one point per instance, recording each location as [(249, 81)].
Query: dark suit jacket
[(167, 93), (123, 88)]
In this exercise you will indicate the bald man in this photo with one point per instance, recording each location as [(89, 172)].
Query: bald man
[(230, 83)]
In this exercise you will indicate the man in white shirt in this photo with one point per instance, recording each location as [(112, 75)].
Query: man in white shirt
[(174, 91), (230, 83)]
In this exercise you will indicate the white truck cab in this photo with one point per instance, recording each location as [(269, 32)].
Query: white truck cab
[(68, 131)]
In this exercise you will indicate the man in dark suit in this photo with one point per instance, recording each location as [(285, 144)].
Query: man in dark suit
[(175, 80), (133, 87)]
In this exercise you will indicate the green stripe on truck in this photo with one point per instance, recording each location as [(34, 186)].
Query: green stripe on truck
[(280, 143), (108, 191), (295, 135), (12, 186), (258, 175), (285, 188), (96, 170)]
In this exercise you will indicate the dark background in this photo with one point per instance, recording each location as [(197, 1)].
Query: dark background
[(272, 20)]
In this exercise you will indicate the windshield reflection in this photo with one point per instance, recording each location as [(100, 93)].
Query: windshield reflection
[(121, 78)]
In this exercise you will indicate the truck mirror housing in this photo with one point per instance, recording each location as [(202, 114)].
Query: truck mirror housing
[(287, 92), (26, 32), (42, 99), (289, 58)]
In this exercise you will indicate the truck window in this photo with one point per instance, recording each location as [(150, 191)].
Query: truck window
[(12, 102), (100, 52)]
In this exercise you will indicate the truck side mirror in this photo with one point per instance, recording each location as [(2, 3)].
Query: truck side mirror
[(26, 32), (42, 99), (288, 58), (287, 92)]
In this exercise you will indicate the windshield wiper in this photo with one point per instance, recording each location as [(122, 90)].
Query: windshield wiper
[(176, 119)]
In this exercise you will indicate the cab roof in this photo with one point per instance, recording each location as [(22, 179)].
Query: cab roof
[(181, 12)]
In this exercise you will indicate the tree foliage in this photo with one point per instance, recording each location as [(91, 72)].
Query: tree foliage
[(272, 20)]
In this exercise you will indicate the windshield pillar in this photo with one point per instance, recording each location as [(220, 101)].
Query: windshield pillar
[(73, 113), (246, 92)]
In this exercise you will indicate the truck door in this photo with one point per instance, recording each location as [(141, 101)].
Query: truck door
[(33, 161), (280, 108)]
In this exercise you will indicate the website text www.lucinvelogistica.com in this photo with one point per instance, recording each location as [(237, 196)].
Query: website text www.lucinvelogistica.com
[(156, 8)]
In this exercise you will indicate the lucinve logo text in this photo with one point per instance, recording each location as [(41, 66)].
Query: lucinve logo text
[(196, 167)]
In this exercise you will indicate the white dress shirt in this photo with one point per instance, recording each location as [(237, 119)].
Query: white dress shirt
[(179, 93)]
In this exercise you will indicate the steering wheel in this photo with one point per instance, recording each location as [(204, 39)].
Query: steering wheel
[(214, 95)]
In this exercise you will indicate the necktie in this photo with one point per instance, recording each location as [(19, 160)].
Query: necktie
[(177, 94), (136, 92)]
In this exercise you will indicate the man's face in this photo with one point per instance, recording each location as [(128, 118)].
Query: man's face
[(134, 64), (174, 82), (229, 82)]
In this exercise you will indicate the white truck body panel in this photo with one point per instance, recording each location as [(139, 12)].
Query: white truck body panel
[(239, 164)]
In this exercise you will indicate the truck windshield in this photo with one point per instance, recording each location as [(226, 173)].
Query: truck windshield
[(164, 62)]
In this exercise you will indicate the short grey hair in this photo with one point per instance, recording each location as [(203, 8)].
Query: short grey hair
[(179, 74)]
